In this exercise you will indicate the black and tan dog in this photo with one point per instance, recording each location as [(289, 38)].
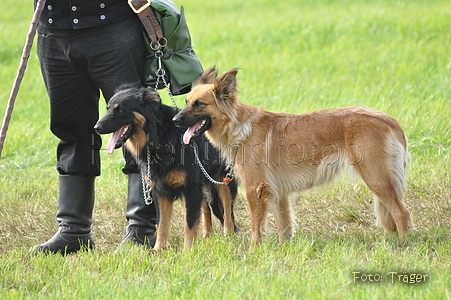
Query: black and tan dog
[(138, 119), (276, 154)]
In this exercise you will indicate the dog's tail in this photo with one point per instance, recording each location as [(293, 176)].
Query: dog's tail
[(389, 205)]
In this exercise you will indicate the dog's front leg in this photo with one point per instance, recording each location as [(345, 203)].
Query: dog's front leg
[(166, 207), (227, 202), (257, 211)]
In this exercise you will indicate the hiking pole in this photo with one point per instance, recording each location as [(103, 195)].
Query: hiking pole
[(20, 71)]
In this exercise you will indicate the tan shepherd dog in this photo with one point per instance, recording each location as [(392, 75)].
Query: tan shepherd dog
[(276, 154)]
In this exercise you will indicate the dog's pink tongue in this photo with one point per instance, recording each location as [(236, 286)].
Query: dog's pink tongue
[(111, 145), (189, 134)]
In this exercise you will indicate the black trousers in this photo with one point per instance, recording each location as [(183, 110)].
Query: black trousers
[(76, 66)]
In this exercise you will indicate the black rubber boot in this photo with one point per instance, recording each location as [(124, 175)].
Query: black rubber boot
[(75, 205), (142, 218)]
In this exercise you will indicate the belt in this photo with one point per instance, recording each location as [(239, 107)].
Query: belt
[(150, 22)]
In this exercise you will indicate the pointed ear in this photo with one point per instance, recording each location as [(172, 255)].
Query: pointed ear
[(207, 77), (149, 96), (226, 85), (150, 109)]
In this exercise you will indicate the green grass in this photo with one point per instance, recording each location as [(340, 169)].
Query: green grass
[(295, 56)]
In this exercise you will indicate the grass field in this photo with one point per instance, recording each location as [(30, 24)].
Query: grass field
[(295, 56)]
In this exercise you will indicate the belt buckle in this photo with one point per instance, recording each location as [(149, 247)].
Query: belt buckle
[(137, 11)]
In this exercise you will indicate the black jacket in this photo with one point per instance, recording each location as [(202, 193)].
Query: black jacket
[(76, 14)]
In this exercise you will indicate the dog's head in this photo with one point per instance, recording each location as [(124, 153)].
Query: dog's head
[(208, 104), (128, 116)]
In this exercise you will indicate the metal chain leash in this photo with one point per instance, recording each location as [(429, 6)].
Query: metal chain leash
[(147, 185), (227, 179), (160, 76)]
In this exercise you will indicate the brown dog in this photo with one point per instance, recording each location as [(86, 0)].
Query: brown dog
[(276, 154)]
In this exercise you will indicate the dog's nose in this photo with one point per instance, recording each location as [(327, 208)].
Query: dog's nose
[(176, 119), (97, 127)]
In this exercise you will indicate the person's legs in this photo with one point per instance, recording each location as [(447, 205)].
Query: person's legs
[(74, 111), (125, 68), (75, 65)]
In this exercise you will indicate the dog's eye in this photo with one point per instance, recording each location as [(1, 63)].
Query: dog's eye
[(117, 108), (198, 104)]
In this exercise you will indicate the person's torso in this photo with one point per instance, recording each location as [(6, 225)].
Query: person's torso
[(77, 14)]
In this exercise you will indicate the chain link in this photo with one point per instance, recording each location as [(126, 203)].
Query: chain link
[(160, 72), (229, 175), (147, 185)]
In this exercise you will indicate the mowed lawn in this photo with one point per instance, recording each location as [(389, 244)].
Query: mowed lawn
[(294, 56)]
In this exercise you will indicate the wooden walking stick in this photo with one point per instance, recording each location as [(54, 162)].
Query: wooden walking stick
[(21, 71)]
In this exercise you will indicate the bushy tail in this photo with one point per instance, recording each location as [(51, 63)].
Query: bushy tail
[(398, 159)]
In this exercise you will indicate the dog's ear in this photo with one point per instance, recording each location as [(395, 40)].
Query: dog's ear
[(226, 85), (207, 77), (150, 96), (150, 109), (150, 104)]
